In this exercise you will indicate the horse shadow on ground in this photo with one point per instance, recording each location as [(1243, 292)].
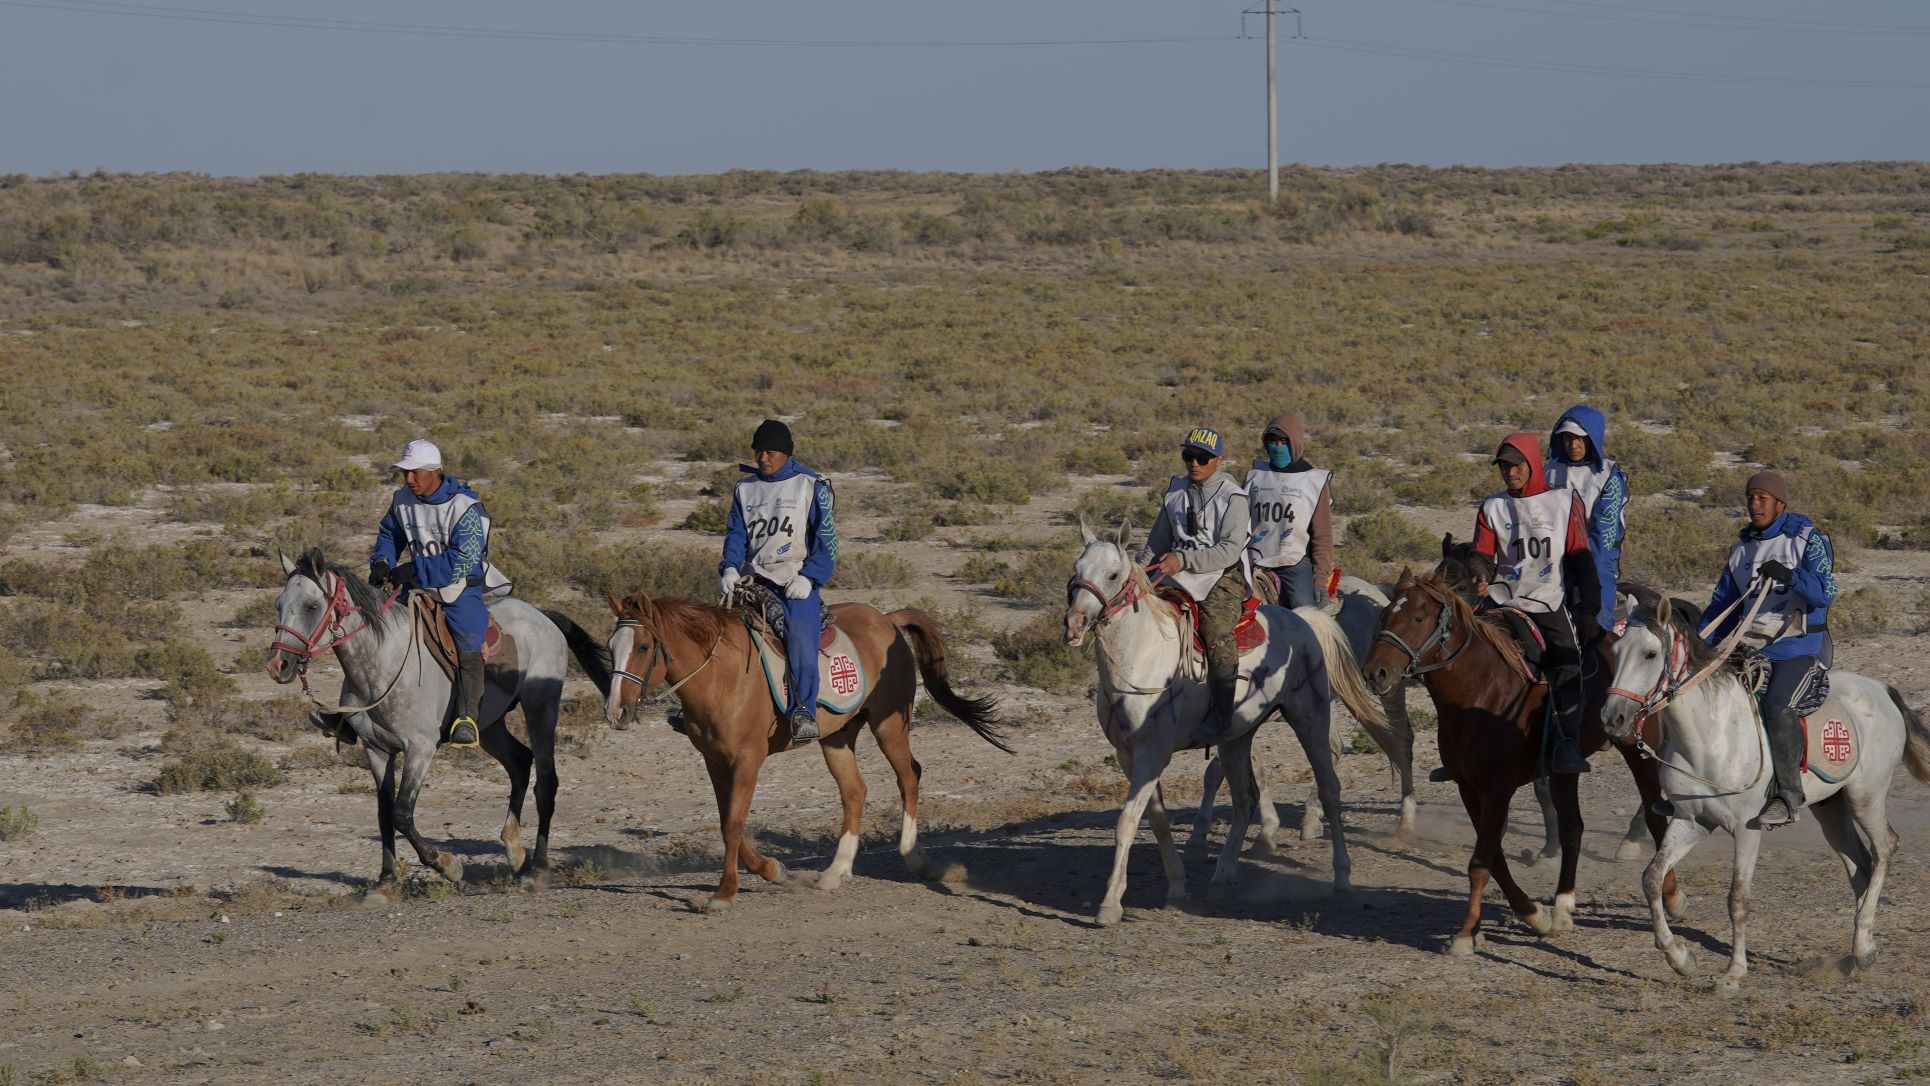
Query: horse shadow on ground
[(31, 896)]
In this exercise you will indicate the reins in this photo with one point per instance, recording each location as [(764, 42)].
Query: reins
[(659, 653), (1138, 587), (1438, 638), (311, 644)]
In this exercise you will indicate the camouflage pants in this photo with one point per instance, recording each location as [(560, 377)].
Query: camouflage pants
[(1219, 613)]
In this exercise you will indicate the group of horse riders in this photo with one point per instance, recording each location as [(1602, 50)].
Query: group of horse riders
[(1553, 536)]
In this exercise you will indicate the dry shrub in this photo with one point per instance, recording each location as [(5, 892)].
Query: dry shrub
[(1036, 655), (1865, 610), (1675, 545), (212, 764), (58, 722), (872, 569), (18, 823)]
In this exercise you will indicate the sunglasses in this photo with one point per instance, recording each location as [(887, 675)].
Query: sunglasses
[(1196, 456), (1273, 439)]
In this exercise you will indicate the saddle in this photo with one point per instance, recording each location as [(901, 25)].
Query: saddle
[(1528, 637), (1248, 633), (499, 649), (842, 681)]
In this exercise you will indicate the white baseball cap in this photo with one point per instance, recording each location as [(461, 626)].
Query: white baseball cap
[(420, 453), (1568, 427)]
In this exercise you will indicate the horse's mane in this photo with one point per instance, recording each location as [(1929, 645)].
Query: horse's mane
[(701, 621), (365, 597), (1488, 627), (1686, 618)]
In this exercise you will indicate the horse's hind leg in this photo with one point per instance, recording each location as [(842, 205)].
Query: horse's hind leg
[(1405, 831), (1550, 826), (1210, 782), (1748, 844), (541, 707), (1648, 785), (1871, 817), (1168, 855), (1237, 756), (893, 734), (1565, 792), (842, 761), (382, 768), (515, 758), (1326, 782)]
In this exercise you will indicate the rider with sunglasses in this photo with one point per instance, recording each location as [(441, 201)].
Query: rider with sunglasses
[(1201, 536)]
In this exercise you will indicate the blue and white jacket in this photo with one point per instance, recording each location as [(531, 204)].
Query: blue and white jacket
[(782, 526), (1603, 487), (447, 535), (1795, 616)]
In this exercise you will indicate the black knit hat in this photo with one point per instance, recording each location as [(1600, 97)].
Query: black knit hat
[(772, 436)]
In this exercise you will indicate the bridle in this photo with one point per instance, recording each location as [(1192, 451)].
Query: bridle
[(312, 644), (1668, 684), (1437, 639), (1129, 595), (658, 655)]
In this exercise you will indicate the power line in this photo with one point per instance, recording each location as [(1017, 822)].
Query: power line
[(1701, 21), (1346, 45), (367, 26), (1740, 18)]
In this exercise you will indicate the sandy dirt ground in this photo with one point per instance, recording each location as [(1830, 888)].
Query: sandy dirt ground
[(150, 937)]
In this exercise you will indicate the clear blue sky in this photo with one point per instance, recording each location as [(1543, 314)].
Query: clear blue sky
[(89, 84)]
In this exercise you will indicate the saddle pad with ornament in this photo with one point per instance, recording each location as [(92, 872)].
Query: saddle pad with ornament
[(1835, 743), (499, 649), (842, 682), (1249, 633)]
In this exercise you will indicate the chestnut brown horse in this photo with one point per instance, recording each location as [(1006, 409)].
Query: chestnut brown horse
[(1491, 731), (704, 654)]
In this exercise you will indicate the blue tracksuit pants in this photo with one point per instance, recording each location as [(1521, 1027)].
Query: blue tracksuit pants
[(468, 619), (803, 622)]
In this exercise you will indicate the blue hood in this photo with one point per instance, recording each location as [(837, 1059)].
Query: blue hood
[(1788, 524), (791, 467), (1591, 422), (451, 486)]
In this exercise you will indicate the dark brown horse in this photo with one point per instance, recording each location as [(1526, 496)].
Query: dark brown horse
[(704, 654), (1491, 731)]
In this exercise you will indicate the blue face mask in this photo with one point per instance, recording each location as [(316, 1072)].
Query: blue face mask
[(1279, 456)]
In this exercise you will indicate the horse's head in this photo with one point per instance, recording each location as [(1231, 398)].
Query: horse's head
[(1465, 569), (635, 650), (1644, 658), (309, 608), (1100, 577), (1413, 625)]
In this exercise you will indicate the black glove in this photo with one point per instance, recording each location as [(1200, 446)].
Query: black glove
[(1776, 571), (378, 573)]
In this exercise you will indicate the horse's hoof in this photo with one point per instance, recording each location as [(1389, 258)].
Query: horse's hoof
[(717, 906), (1309, 834), (1463, 946), (1264, 848), (1178, 899), (534, 882), (1629, 850), (779, 873), (918, 864), (1109, 915), (379, 896), (1729, 987), (1528, 858), (828, 882), (1866, 959), (450, 866), (1539, 922), (1681, 958)]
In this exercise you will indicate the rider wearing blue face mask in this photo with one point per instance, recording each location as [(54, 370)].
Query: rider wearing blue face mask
[(1290, 503), (1785, 550)]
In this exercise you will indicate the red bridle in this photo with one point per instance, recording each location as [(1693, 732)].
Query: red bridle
[(339, 607), (1675, 654), (1134, 590)]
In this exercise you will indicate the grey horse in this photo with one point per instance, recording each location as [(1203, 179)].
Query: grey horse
[(397, 701)]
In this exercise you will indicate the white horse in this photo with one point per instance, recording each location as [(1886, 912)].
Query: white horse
[(1148, 706), (1715, 771), (402, 702), (1359, 620)]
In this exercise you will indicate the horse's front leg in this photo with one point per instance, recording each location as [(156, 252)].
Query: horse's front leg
[(1143, 769), (1314, 739), (1210, 783), (415, 773), (1568, 810), (382, 768), (1677, 840), (1550, 826)]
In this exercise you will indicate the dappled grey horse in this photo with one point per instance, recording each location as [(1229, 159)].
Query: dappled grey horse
[(398, 702)]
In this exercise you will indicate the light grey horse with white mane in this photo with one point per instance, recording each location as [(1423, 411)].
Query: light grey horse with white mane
[(1149, 705), (1714, 769), (397, 701)]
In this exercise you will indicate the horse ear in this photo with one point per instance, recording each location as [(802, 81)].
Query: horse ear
[(616, 605), (314, 560), (1406, 579), (1085, 533), (1125, 532), (1662, 612), (1447, 545), (287, 563)]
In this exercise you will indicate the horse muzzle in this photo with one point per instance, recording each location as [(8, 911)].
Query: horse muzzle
[(1619, 719), (1075, 628), (281, 666)]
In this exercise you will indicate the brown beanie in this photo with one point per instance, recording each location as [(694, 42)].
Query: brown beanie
[(1769, 483)]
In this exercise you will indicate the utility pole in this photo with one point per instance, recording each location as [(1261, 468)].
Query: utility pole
[(1273, 118), (1273, 104)]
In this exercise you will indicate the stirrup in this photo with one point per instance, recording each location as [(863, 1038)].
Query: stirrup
[(1557, 765), (804, 728), (1440, 775), (1776, 814), (462, 732)]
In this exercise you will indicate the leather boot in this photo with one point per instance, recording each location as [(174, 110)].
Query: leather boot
[(469, 683), (1567, 755), (804, 725), (1785, 732)]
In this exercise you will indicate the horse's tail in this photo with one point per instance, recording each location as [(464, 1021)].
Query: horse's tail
[(928, 645), (1916, 739), (1344, 677), (593, 657)]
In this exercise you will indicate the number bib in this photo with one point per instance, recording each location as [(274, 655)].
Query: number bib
[(1281, 505), (777, 514), (428, 528), (1531, 536), (1773, 620)]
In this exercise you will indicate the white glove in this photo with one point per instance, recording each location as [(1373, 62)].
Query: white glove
[(727, 582), (799, 588)]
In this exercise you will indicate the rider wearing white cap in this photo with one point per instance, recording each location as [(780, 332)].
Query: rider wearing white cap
[(443, 524)]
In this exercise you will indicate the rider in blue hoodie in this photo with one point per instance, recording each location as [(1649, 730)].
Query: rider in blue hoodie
[(1787, 551), (446, 530), (781, 532), (1577, 461)]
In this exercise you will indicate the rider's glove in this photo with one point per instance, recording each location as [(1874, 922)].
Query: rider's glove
[(799, 588), (727, 582), (378, 573), (1776, 571)]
